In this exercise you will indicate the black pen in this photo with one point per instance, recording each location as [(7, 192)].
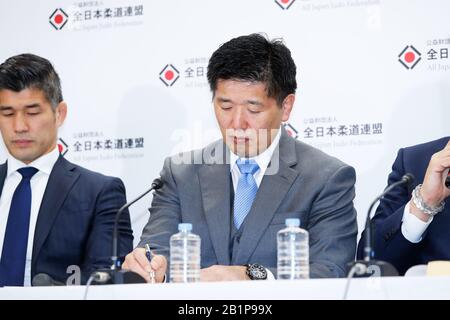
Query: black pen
[(149, 255)]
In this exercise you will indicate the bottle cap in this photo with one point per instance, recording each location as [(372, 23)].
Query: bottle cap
[(293, 222), (185, 227)]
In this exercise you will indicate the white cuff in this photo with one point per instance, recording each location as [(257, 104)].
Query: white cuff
[(270, 275), (412, 227)]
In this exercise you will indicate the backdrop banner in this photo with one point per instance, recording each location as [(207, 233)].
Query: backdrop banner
[(373, 76)]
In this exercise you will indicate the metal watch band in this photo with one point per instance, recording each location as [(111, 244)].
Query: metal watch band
[(424, 207)]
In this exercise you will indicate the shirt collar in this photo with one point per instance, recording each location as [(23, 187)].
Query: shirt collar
[(262, 159), (44, 163)]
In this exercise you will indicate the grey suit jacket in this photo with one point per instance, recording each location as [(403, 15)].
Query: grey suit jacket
[(308, 184)]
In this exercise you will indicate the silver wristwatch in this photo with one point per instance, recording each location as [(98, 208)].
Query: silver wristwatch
[(424, 207), (256, 271)]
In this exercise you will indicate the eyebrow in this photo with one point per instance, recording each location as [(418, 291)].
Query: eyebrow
[(34, 105), (223, 99), (255, 103), (251, 102), (31, 106)]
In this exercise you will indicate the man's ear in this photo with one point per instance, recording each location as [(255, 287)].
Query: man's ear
[(288, 104), (60, 113)]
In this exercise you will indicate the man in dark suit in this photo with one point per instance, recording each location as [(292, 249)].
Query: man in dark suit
[(55, 217), (238, 191), (412, 223)]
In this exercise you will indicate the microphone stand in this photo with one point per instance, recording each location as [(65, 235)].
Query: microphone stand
[(115, 274), (368, 266)]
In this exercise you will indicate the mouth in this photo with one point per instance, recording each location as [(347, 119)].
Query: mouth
[(22, 143), (240, 140)]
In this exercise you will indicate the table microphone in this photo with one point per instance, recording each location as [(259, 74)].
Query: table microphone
[(119, 275), (382, 267), (44, 280)]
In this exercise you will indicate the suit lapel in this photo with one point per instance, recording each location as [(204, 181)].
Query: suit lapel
[(271, 192), (58, 187), (215, 190)]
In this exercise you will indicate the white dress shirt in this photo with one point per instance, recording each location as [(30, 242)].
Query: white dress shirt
[(263, 161), (38, 183), (412, 227)]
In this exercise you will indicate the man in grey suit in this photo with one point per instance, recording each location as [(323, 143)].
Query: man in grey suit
[(238, 191)]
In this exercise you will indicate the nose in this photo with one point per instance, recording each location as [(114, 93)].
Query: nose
[(20, 123), (239, 120)]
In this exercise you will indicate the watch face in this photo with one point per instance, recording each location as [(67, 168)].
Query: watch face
[(257, 272)]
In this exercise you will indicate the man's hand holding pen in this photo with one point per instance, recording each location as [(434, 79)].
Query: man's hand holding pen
[(151, 267)]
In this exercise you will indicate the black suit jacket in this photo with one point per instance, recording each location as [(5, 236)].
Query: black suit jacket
[(75, 221)]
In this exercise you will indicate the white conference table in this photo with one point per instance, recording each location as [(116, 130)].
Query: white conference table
[(422, 288)]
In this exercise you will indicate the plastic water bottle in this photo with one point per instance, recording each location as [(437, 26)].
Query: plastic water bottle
[(293, 251), (184, 255)]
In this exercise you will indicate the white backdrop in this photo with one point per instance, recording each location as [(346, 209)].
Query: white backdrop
[(373, 76)]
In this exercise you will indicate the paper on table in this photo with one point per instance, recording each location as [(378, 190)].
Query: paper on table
[(438, 268)]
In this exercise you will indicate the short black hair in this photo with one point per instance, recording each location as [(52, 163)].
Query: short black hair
[(255, 58), (29, 71)]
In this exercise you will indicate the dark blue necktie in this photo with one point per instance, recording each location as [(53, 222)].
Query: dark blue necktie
[(12, 264)]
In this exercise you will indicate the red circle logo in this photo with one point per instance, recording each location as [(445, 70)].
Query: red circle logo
[(169, 75), (58, 19), (410, 57)]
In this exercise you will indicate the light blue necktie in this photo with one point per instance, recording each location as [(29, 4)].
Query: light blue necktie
[(245, 191)]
